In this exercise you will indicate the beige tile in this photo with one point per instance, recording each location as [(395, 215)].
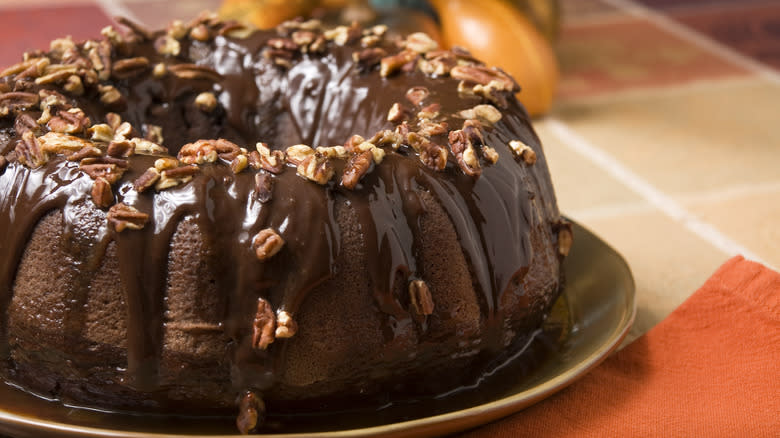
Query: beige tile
[(691, 138), (751, 219), (668, 262), (581, 188)]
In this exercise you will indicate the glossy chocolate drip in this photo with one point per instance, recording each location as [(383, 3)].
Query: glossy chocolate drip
[(319, 100)]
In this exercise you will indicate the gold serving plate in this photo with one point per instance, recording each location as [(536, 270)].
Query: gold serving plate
[(588, 322)]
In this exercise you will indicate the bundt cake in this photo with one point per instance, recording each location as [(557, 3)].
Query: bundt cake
[(209, 219)]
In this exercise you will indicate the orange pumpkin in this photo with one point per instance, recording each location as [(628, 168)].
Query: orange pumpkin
[(501, 35)]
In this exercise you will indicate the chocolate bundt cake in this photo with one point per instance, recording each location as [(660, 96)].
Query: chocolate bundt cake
[(209, 219)]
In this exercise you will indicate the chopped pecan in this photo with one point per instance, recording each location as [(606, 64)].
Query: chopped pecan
[(177, 29), (316, 168), (420, 42), (416, 95), (175, 176), (523, 151), (74, 86), (366, 59), (199, 152), (146, 147), (29, 151), (110, 96), (473, 129), (463, 149), (352, 143), (429, 112), (490, 154), (147, 180), (111, 172), (485, 76), (432, 155), (302, 38), (251, 413), (206, 101), (121, 149), (167, 45), (486, 114), (166, 163), (159, 70), (282, 58), (338, 151), (397, 114), (282, 44), (25, 122), (238, 164), (369, 41), (59, 143), (234, 29), (15, 101), (267, 243), (200, 33), (437, 63), (357, 166), (56, 73), (226, 150), (429, 128), (393, 63), (343, 35), (124, 217), (296, 154), (286, 327), (263, 187), (265, 158), (387, 138), (193, 71), (565, 237), (420, 298), (102, 195), (72, 121), (22, 66), (130, 67), (85, 152)]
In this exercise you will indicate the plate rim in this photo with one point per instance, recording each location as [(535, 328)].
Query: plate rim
[(448, 422)]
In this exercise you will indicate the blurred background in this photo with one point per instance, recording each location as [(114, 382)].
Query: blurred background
[(660, 118)]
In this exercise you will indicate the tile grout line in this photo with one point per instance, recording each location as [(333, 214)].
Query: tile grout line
[(648, 192), (704, 197), (115, 8), (697, 38)]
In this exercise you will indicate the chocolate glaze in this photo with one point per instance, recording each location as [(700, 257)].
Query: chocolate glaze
[(320, 100)]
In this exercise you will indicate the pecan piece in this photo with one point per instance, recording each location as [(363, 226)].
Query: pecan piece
[(167, 45), (121, 149), (124, 217), (200, 33), (420, 42), (15, 101), (486, 114), (193, 71), (267, 243), (102, 195), (146, 147), (366, 59), (130, 67), (263, 326), (85, 152), (286, 327), (420, 298), (206, 101), (175, 176), (431, 154), (263, 187), (251, 413), (357, 166), (316, 168), (59, 143), (110, 96), (72, 121), (523, 151), (415, 95), (393, 63), (272, 161), (565, 236), (485, 76), (296, 154), (147, 180), (397, 113), (463, 149), (238, 164), (25, 122), (199, 152), (29, 151)]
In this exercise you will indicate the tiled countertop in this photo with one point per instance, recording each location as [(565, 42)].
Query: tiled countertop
[(665, 139)]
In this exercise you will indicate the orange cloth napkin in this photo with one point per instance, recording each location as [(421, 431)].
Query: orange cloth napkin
[(710, 369)]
